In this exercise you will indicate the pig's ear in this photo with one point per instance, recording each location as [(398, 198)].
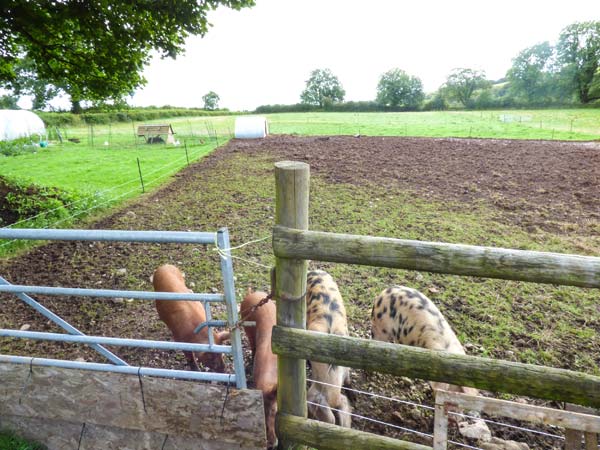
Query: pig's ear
[(222, 336)]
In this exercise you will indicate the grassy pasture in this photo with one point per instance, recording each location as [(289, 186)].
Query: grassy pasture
[(109, 171), (565, 124), (106, 156), (103, 165)]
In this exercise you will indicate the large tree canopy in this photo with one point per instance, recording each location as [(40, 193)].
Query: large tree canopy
[(398, 89), (322, 88), (579, 51), (96, 50), (531, 71), (461, 83), (27, 82)]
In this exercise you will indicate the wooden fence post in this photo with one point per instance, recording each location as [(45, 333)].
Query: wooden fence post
[(292, 187), (573, 438), (440, 426)]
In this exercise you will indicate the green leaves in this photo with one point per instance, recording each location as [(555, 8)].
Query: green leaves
[(398, 89), (531, 75), (322, 89), (578, 50), (461, 83), (211, 101), (97, 50)]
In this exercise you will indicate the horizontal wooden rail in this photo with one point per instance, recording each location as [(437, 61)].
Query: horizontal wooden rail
[(483, 373), (489, 262), (530, 413), (325, 436)]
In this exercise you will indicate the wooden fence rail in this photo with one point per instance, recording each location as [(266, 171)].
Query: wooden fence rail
[(573, 422), (463, 370), (325, 436), (490, 262)]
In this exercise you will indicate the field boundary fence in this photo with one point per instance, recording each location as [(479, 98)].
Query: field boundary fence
[(294, 245), (101, 135), (147, 178)]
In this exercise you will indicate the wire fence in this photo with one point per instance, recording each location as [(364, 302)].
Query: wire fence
[(129, 134), (428, 408), (102, 198)]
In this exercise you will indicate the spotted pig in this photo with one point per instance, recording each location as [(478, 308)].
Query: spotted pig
[(403, 315), (325, 312)]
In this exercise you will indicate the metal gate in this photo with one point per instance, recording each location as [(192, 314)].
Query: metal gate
[(220, 239)]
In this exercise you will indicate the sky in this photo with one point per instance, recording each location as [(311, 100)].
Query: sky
[(264, 54)]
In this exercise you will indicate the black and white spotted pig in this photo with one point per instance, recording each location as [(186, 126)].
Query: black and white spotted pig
[(325, 312), (405, 316)]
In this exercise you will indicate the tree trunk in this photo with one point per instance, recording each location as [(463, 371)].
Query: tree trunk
[(76, 107)]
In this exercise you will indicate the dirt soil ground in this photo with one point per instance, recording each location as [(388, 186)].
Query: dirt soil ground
[(537, 185)]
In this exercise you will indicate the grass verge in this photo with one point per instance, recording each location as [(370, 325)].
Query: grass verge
[(10, 441)]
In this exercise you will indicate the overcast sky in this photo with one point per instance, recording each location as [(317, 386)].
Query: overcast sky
[(264, 54)]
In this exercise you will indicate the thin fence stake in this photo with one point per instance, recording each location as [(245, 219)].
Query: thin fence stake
[(140, 171), (135, 138), (58, 135), (186, 153)]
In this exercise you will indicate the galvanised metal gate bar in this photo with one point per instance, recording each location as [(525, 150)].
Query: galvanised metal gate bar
[(131, 370), (220, 239), (64, 325)]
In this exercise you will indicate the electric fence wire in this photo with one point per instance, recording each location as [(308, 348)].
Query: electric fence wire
[(419, 405), (101, 193), (387, 424), (97, 205)]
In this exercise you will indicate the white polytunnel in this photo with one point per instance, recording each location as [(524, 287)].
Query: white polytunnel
[(251, 127), (19, 123)]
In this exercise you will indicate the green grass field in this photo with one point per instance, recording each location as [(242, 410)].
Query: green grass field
[(109, 171), (574, 124), (104, 163)]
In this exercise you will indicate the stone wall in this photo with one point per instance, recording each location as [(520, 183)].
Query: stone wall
[(74, 409)]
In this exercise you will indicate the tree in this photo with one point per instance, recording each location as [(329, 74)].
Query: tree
[(322, 88), (531, 73), (97, 50), (211, 101), (27, 83), (579, 52), (398, 89), (8, 101), (461, 83)]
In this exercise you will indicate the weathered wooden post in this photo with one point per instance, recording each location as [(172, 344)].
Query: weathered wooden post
[(292, 185)]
